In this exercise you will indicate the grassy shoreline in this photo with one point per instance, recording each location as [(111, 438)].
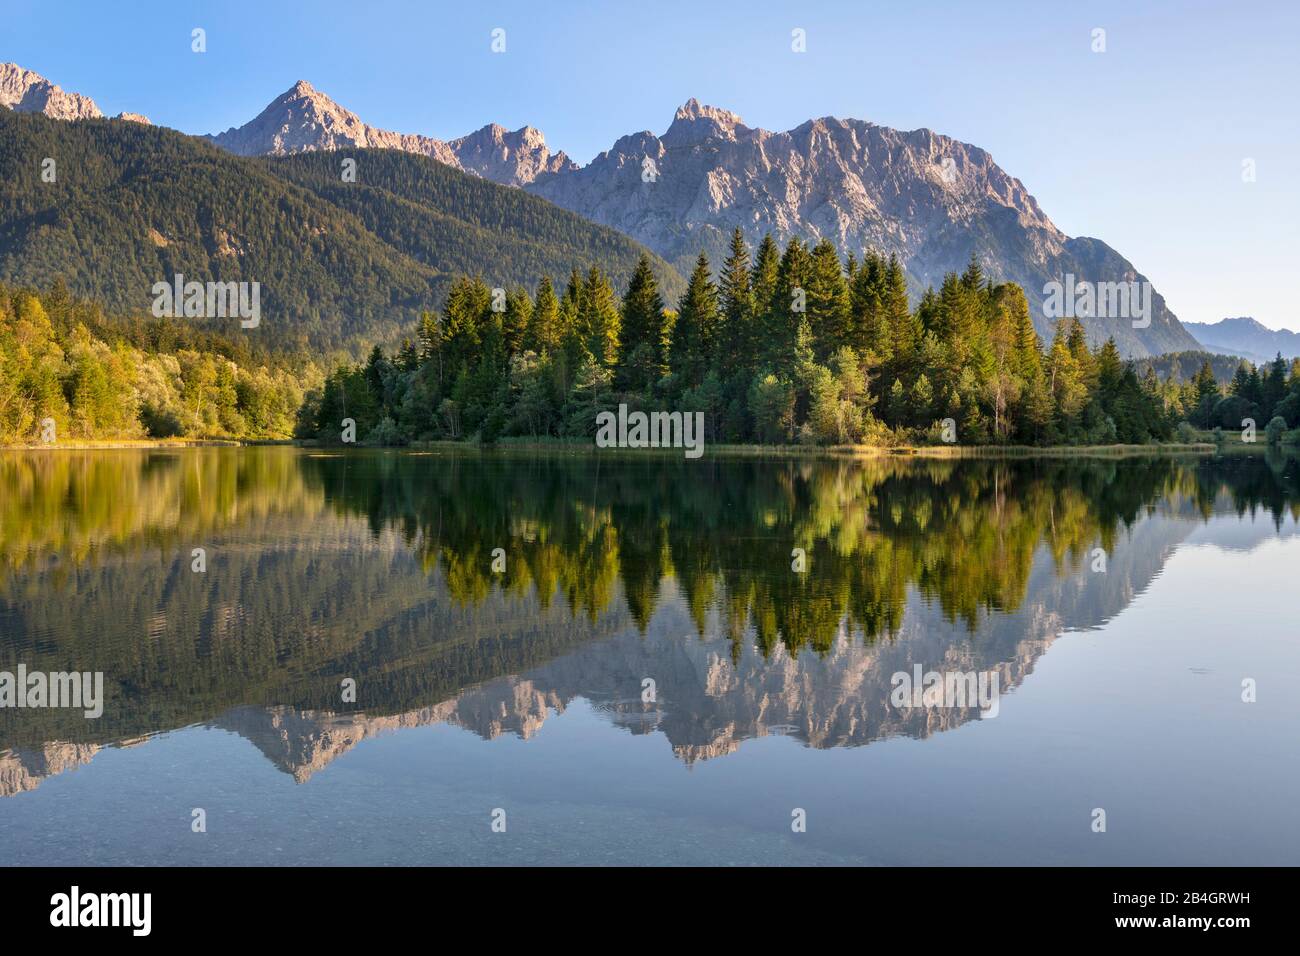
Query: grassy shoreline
[(873, 451), (730, 450), (115, 443)]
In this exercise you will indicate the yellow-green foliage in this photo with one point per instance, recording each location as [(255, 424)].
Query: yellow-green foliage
[(102, 386)]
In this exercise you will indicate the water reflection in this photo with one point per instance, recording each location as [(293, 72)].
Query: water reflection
[(379, 567)]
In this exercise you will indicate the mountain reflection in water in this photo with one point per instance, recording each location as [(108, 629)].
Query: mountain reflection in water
[(377, 566)]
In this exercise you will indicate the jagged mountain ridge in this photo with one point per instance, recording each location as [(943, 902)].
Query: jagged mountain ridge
[(303, 119), (930, 199), (26, 91)]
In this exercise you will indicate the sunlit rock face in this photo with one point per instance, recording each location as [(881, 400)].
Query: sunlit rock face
[(303, 119), (928, 198), (29, 92), (514, 158), (25, 769)]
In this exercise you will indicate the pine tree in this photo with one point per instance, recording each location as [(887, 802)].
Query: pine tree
[(959, 317), (1206, 395), (519, 310), (738, 340), (827, 300), (1034, 411), (904, 327), (1065, 380), (468, 303), (1207, 387), (571, 304), (695, 335), (973, 278), (1000, 376), (1110, 370), (789, 305), (599, 319), (431, 347), (897, 405), (869, 330), (1085, 361), (1274, 385), (642, 360), (921, 400), (762, 284), (545, 331)]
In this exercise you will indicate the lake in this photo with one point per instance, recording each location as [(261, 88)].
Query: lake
[(447, 657)]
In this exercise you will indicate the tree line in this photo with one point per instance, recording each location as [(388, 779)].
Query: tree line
[(779, 346), (1268, 395)]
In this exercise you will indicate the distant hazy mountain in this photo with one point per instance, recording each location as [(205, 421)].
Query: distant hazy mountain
[(928, 198), (303, 119), (1247, 338)]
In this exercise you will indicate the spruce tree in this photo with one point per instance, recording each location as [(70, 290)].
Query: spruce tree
[(762, 285), (738, 340), (789, 305), (903, 326), (695, 334), (827, 300), (544, 332), (599, 319), (973, 278), (869, 330), (519, 309), (642, 358)]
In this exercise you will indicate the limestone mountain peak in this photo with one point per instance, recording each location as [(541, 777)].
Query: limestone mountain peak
[(303, 119), (692, 109), (26, 91)]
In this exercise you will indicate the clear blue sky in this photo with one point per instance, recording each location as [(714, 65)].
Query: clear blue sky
[(1141, 146)]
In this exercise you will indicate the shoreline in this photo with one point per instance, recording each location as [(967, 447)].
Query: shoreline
[(123, 443), (729, 450)]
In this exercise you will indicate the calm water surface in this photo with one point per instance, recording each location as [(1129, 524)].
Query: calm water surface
[(1121, 669)]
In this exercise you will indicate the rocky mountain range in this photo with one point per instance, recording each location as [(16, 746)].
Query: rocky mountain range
[(932, 200), (303, 119)]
